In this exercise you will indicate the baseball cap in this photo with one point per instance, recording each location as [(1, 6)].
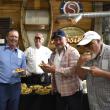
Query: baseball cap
[(88, 37), (58, 33), (38, 35)]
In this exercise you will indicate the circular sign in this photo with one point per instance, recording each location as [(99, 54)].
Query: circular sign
[(71, 7)]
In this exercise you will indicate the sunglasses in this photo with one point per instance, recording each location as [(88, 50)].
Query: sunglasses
[(89, 44), (37, 37)]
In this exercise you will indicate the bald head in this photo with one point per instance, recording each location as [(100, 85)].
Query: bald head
[(39, 35), (39, 39)]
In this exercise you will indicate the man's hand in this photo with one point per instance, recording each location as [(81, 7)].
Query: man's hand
[(97, 72), (83, 58), (47, 68)]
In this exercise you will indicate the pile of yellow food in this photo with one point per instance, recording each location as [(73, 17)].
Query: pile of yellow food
[(38, 89), (25, 89)]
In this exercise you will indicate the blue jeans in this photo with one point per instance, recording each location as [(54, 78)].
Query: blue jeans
[(9, 96)]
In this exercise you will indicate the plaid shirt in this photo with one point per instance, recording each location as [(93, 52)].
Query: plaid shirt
[(98, 87), (69, 82)]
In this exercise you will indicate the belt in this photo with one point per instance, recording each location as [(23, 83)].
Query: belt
[(37, 74), (76, 93), (40, 75), (9, 84)]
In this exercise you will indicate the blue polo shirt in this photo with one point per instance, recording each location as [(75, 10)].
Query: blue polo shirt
[(10, 60)]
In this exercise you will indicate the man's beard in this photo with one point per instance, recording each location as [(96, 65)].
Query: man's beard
[(93, 55), (60, 48)]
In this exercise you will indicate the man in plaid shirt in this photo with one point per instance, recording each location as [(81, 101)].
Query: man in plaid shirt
[(64, 81), (97, 73)]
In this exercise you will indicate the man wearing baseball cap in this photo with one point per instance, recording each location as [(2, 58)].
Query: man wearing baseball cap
[(88, 37), (96, 70), (64, 81)]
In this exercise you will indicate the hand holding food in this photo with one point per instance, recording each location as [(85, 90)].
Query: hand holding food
[(19, 70), (84, 58), (47, 68), (87, 56)]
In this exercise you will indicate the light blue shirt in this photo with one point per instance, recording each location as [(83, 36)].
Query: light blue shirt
[(10, 60)]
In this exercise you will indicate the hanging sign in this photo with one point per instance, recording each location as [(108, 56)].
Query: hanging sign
[(71, 7)]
